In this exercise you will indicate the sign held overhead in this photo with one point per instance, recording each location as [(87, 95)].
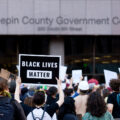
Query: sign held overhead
[(40, 69)]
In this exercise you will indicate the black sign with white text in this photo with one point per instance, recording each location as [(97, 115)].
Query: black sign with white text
[(39, 69)]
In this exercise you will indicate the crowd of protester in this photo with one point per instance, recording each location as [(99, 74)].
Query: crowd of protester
[(87, 100)]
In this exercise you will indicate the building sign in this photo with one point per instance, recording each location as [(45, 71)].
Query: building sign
[(39, 69), (50, 17)]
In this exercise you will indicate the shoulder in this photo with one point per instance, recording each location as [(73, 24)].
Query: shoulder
[(77, 98), (81, 97), (54, 106), (38, 114), (86, 116), (29, 117), (113, 94), (19, 112), (51, 109), (111, 97), (16, 104), (108, 115)]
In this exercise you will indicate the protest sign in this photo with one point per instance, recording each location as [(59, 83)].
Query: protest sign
[(7, 75), (86, 78), (40, 69), (76, 75), (62, 72), (119, 70), (109, 75)]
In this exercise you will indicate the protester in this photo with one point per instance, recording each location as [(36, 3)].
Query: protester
[(24, 90), (52, 95), (10, 109), (67, 110), (48, 111), (106, 93), (96, 108), (81, 100), (76, 91), (114, 99), (27, 105), (68, 92)]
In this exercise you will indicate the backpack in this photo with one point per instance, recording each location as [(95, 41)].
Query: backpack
[(37, 118), (6, 109)]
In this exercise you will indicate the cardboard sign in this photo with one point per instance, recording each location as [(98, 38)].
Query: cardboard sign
[(62, 72), (76, 74), (109, 75), (39, 68), (7, 75)]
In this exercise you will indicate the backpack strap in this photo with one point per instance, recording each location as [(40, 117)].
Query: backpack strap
[(33, 115), (42, 114)]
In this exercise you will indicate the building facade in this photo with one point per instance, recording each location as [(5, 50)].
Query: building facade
[(86, 33)]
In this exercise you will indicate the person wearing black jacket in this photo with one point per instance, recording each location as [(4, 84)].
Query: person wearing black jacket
[(10, 109)]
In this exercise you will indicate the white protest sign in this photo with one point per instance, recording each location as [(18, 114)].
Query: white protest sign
[(76, 74), (86, 78), (119, 70), (62, 72), (109, 75), (63, 86)]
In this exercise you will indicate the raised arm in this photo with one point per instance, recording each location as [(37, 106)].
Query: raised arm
[(17, 90), (61, 94), (110, 107)]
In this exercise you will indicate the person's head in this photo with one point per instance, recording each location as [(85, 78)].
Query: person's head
[(4, 87), (12, 86), (115, 85), (39, 98), (106, 93), (3, 84), (96, 105), (24, 90), (68, 91), (75, 88), (84, 87), (28, 101), (91, 87), (52, 91)]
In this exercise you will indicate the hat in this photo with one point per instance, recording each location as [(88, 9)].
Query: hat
[(93, 81), (83, 85)]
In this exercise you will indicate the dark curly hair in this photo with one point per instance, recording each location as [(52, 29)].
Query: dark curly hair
[(96, 105), (115, 84)]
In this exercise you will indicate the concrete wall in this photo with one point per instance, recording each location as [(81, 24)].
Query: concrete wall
[(57, 48), (66, 16)]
